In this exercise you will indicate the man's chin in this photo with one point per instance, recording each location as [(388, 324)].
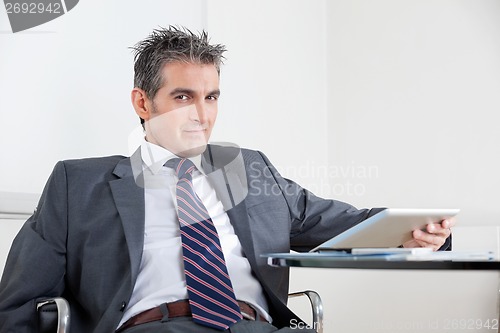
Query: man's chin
[(194, 151)]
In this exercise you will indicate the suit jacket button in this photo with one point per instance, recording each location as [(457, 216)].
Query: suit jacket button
[(123, 306)]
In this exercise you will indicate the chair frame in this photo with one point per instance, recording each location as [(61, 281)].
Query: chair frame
[(63, 312), (316, 306)]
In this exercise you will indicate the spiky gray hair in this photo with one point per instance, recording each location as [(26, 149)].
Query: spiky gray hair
[(172, 44)]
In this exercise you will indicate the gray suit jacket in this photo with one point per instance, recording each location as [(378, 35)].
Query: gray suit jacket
[(85, 240)]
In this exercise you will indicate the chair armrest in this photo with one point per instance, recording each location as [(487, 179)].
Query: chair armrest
[(317, 307), (53, 315)]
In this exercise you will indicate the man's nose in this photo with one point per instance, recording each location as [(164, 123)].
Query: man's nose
[(200, 113)]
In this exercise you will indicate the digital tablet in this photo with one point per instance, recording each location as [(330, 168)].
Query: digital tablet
[(389, 228)]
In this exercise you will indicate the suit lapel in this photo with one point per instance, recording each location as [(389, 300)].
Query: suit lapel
[(241, 223), (128, 195), (225, 171)]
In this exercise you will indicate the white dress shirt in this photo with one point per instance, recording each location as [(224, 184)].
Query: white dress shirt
[(161, 275)]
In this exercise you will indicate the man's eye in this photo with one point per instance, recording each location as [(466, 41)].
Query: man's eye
[(212, 97), (181, 97)]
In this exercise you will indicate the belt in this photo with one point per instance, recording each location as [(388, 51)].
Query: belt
[(180, 309)]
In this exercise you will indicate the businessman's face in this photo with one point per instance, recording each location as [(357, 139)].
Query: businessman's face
[(184, 110)]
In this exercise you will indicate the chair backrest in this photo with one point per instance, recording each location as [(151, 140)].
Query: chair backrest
[(8, 230), (15, 209)]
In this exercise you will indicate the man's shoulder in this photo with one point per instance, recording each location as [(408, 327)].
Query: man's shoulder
[(224, 154), (231, 149), (94, 163)]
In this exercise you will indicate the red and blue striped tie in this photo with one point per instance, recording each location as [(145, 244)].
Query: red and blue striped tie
[(210, 291)]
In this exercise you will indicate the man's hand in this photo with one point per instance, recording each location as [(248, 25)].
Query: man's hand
[(434, 236)]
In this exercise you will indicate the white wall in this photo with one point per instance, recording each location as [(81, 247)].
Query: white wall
[(414, 91), (9, 229), (378, 103)]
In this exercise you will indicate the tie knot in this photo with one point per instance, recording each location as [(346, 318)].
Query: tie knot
[(182, 166)]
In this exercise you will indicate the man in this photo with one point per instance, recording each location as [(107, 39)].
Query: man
[(116, 236)]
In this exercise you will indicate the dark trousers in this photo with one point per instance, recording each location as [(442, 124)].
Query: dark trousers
[(186, 325)]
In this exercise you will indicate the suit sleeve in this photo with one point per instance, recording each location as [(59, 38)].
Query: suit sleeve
[(35, 267)]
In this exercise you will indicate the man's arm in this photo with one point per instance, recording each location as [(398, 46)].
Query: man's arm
[(35, 266), (315, 220)]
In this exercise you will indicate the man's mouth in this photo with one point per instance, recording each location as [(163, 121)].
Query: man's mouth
[(197, 129)]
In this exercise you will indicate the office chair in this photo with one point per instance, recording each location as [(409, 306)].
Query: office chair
[(316, 307), (54, 313)]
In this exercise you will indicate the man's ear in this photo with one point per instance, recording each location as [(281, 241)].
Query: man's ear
[(142, 104)]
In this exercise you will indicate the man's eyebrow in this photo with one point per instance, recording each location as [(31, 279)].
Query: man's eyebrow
[(191, 92), (186, 91), (215, 92)]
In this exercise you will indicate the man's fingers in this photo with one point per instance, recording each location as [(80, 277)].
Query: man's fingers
[(448, 223), (438, 229), (433, 240), (432, 246), (434, 236), (411, 243)]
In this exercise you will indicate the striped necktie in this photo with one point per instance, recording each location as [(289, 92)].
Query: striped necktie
[(211, 295)]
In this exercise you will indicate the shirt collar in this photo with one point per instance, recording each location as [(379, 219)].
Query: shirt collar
[(154, 157)]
